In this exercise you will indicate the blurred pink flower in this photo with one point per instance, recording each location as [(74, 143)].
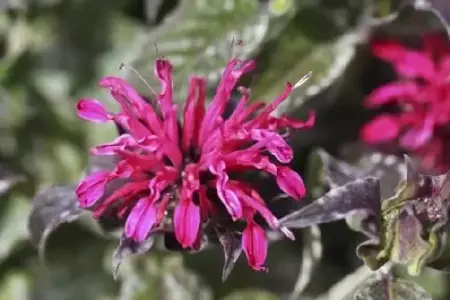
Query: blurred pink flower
[(422, 95), (169, 169)]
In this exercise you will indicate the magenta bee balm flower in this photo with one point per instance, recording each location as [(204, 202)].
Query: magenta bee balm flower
[(422, 96), (185, 174)]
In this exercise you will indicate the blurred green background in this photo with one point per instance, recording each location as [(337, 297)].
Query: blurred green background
[(54, 51)]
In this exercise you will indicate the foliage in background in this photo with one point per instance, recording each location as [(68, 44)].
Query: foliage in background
[(54, 51)]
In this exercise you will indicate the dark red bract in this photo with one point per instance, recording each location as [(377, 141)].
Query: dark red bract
[(170, 168)]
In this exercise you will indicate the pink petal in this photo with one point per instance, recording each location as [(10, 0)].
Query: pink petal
[(230, 200), (291, 183), (199, 112), (249, 159), (186, 222), (233, 71), (418, 136), (151, 143), (252, 199), (92, 188), (162, 180), (391, 92), (381, 129), (254, 244), (131, 102), (146, 161), (190, 177), (284, 121), (435, 45), (141, 220), (265, 115), (125, 92), (409, 63), (193, 111), (239, 113), (92, 110), (444, 68), (276, 146), (120, 143), (188, 115), (163, 71), (135, 127), (171, 124), (128, 191)]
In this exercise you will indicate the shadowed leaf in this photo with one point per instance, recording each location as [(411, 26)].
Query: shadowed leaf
[(203, 44), (51, 207), (361, 194)]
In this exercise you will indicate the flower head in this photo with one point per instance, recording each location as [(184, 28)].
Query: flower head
[(422, 95), (182, 174)]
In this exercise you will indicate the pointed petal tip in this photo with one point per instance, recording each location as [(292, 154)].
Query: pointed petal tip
[(92, 110), (303, 80), (291, 183), (289, 234)]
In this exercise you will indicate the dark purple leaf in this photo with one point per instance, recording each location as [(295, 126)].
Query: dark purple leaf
[(359, 195), (409, 248), (127, 247), (338, 172), (232, 249), (388, 168), (51, 207)]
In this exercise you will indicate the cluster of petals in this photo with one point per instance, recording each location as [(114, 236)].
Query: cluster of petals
[(422, 97), (183, 168)]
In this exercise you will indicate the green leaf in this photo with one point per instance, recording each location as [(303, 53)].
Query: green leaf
[(13, 225), (74, 269), (15, 285), (251, 294), (155, 277), (198, 39), (386, 287), (51, 208), (280, 7), (303, 46)]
